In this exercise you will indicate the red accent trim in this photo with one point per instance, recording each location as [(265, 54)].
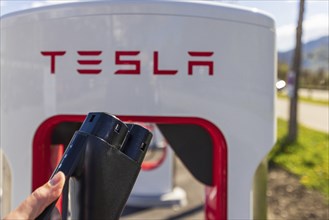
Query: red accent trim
[(52, 55), (90, 52), (89, 62), (156, 70), (216, 195), (200, 54), (41, 148), (136, 63), (89, 71), (148, 166), (56, 153), (210, 65)]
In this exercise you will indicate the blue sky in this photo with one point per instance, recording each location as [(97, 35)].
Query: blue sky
[(285, 13)]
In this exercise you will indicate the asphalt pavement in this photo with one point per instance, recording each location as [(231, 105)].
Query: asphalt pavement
[(310, 115), (193, 209)]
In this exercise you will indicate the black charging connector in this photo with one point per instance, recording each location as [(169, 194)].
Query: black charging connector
[(105, 158)]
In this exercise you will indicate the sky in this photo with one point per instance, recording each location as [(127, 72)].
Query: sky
[(285, 13)]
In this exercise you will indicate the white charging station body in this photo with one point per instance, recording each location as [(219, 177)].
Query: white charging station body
[(202, 61)]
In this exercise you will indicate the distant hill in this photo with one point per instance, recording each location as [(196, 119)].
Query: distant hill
[(315, 55)]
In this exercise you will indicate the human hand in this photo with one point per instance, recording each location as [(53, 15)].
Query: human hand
[(42, 197)]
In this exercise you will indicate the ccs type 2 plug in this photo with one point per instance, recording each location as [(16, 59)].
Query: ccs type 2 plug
[(103, 160)]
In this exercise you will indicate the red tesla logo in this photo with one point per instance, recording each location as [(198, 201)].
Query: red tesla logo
[(124, 59)]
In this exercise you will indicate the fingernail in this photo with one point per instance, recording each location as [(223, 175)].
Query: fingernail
[(55, 179)]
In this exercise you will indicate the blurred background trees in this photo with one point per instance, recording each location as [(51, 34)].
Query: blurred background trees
[(314, 64)]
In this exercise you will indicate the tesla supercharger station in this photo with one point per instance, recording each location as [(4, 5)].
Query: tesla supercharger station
[(202, 71)]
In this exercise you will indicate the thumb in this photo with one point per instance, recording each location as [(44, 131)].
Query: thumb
[(33, 206)]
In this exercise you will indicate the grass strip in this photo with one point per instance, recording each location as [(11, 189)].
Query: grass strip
[(308, 157)]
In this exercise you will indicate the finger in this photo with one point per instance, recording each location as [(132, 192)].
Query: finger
[(33, 206)]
